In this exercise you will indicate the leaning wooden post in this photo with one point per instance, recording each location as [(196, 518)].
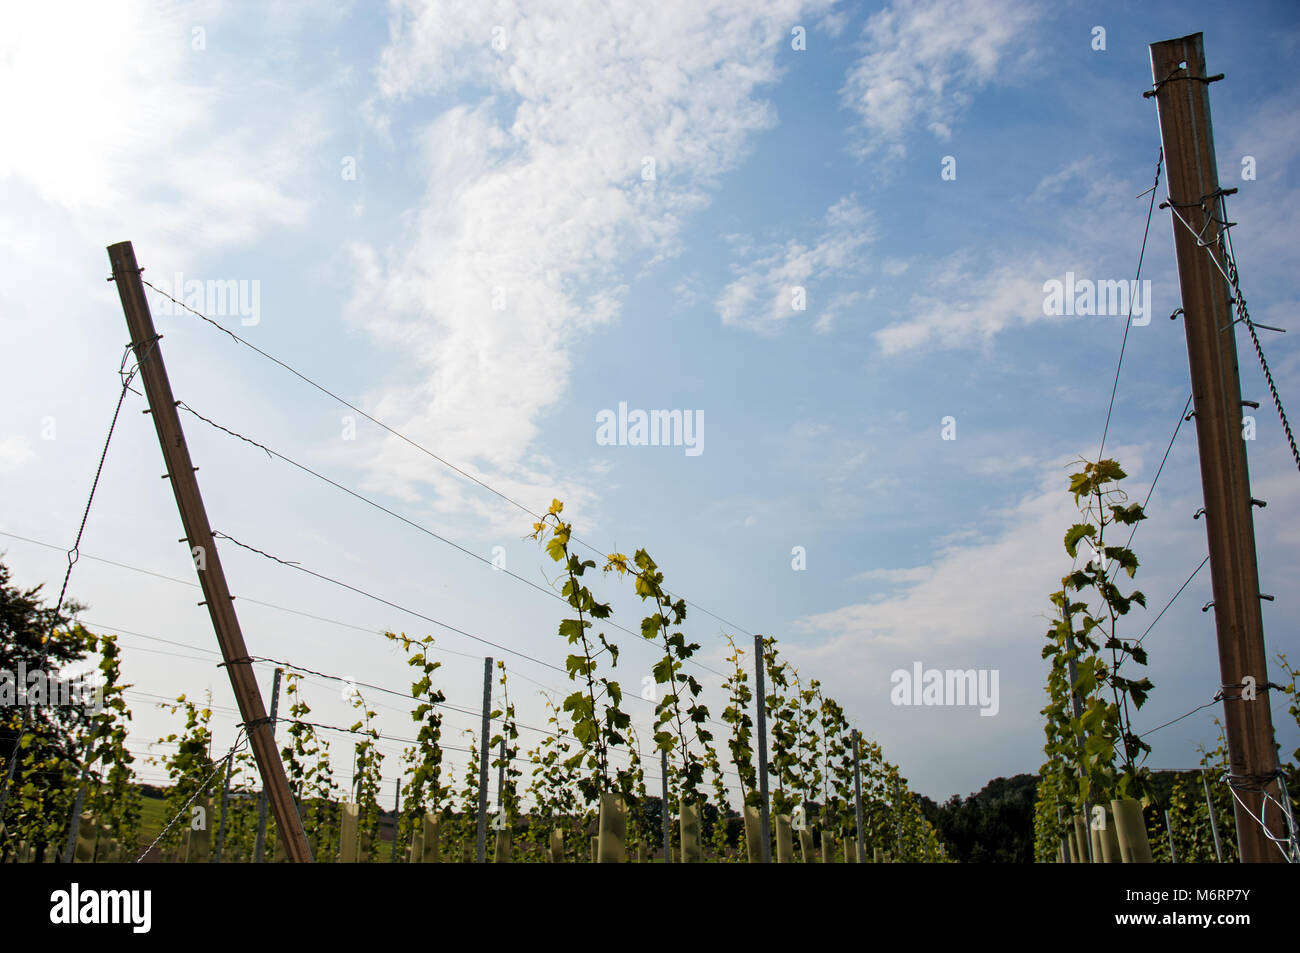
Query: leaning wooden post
[(145, 341)]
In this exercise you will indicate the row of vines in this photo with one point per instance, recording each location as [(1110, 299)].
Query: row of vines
[(1097, 799), (589, 773)]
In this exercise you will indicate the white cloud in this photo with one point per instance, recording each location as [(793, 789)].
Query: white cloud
[(122, 120), (971, 307), (762, 297), (536, 192), (924, 60), (15, 451), (962, 597)]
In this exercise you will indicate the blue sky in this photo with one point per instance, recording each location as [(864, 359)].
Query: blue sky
[(216, 137)]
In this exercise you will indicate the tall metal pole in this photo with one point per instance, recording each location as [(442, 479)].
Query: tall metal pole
[(1214, 822), (667, 811), (397, 820), (857, 796), (1195, 199), (1169, 832), (145, 341), (225, 803), (761, 698), (485, 743), (259, 846), (74, 822)]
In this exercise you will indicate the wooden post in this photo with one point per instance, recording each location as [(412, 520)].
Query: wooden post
[(146, 343), (1196, 204)]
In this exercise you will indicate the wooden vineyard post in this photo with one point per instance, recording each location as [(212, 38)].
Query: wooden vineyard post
[(1199, 219), (145, 342)]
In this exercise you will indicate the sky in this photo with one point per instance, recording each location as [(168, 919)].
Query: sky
[(822, 232)]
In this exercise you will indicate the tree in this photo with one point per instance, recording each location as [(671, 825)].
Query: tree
[(41, 739)]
